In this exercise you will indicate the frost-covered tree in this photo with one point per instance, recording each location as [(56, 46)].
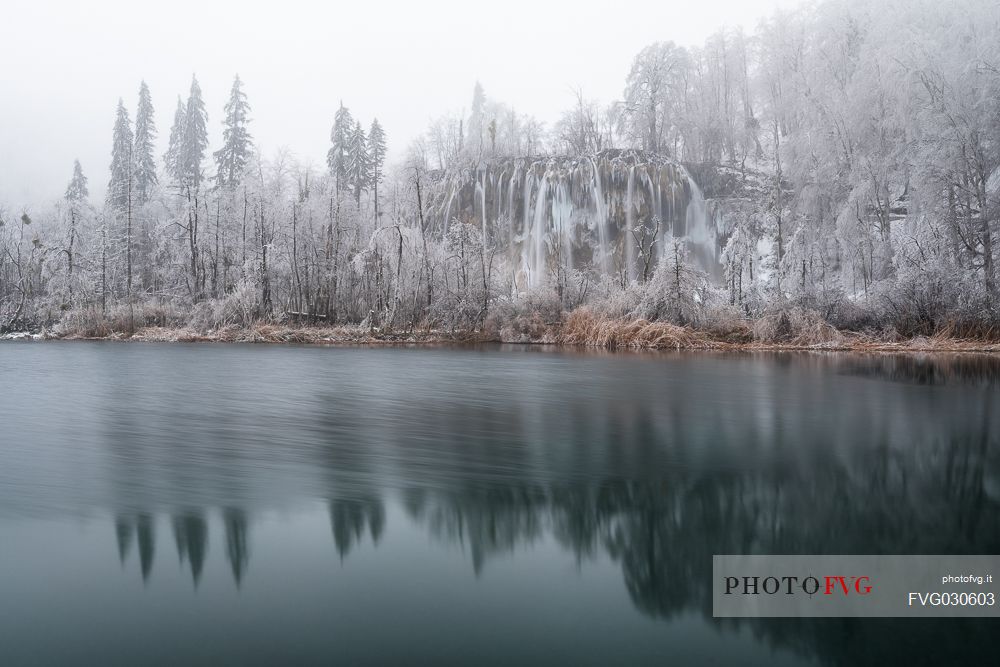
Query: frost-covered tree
[(445, 140), (231, 160), (376, 157), (584, 129), (172, 158), (145, 137), (76, 197), (121, 182), (652, 93), (477, 123), (76, 191), (340, 138), (849, 151), (359, 169), (194, 141)]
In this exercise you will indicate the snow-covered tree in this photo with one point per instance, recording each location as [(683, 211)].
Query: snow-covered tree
[(121, 183), (76, 191), (145, 137), (340, 138), (478, 122), (359, 169), (172, 158), (376, 158), (76, 197), (194, 141), (231, 160), (652, 92)]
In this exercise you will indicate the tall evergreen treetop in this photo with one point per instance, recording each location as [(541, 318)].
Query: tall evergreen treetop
[(77, 191), (195, 137), (145, 136), (232, 158), (340, 136), (121, 160), (376, 151), (358, 163), (172, 158), (477, 118), (376, 158)]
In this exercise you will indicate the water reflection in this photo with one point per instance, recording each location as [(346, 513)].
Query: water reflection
[(237, 541), (191, 537), (653, 463), (350, 518), (663, 532)]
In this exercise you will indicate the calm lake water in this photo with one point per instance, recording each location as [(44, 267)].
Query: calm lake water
[(263, 505)]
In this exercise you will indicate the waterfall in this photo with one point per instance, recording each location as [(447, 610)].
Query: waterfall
[(701, 235), (600, 222), (566, 213)]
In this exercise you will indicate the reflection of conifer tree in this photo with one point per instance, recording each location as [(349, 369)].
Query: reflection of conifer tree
[(492, 521), (376, 519), (415, 502), (237, 549), (575, 522), (350, 516), (191, 535), (147, 544), (124, 530)]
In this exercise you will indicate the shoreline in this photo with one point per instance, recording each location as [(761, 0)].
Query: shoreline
[(630, 337)]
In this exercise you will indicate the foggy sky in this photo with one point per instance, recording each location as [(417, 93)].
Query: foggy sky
[(65, 63)]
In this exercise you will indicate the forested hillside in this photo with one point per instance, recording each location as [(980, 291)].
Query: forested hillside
[(843, 160)]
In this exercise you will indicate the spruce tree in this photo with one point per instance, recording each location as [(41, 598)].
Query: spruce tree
[(376, 157), (77, 191), (195, 138), (145, 136), (172, 158), (76, 195), (358, 166), (476, 119), (119, 187), (231, 159), (340, 137)]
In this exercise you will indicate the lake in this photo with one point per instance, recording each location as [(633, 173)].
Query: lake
[(187, 504)]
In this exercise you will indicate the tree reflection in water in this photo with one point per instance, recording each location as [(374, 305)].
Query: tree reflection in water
[(656, 478)]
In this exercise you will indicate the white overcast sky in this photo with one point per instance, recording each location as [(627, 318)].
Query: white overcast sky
[(64, 64)]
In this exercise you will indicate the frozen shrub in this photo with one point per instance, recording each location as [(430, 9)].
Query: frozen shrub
[(794, 326), (238, 308)]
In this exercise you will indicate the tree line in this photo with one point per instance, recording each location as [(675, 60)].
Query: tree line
[(849, 150)]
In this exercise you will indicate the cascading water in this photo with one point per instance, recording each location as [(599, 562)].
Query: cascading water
[(581, 213)]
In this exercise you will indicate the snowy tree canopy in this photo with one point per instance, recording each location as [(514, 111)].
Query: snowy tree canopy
[(232, 159), (145, 136)]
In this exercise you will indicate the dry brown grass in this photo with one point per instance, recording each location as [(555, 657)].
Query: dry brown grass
[(307, 335), (583, 327)]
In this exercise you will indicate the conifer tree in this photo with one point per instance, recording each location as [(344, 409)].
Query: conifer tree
[(119, 187), (358, 166), (231, 159), (76, 195), (376, 157), (340, 136), (195, 138), (77, 191), (476, 119), (172, 158), (145, 136)]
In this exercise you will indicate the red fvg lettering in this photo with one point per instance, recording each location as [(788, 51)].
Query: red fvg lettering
[(859, 585), (790, 585)]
